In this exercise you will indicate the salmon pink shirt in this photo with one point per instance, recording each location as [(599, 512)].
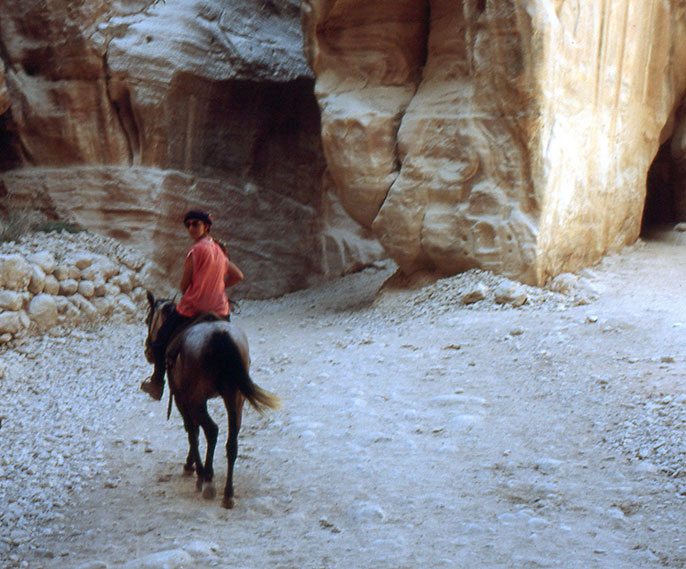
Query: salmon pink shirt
[(207, 289)]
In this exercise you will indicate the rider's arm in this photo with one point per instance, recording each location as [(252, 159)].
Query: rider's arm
[(187, 273), (234, 275)]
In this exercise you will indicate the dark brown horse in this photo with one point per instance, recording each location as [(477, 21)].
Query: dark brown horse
[(209, 358)]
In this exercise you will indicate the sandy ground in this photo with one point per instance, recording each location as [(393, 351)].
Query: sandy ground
[(415, 432)]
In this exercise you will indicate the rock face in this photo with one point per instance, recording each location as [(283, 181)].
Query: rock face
[(120, 116), (514, 136)]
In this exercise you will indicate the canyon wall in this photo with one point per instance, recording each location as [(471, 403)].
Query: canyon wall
[(518, 136), (611, 81), (119, 116), (515, 136)]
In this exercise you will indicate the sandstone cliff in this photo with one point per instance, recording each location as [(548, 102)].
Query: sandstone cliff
[(519, 136), (515, 136), (120, 116)]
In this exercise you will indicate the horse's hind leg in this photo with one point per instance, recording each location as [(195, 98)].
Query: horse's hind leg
[(192, 431), (210, 429), (189, 467), (234, 409), (193, 457)]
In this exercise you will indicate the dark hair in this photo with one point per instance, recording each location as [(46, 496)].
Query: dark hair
[(198, 214)]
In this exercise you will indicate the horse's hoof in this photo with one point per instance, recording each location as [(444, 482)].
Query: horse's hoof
[(227, 503), (188, 469), (209, 491), (198, 484)]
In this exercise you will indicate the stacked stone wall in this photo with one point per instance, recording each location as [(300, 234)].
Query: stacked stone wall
[(54, 282)]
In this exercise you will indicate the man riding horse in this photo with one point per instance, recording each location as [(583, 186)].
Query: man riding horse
[(207, 272)]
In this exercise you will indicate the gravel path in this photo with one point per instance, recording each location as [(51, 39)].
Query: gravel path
[(417, 431)]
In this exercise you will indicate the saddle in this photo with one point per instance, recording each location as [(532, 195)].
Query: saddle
[(174, 345)]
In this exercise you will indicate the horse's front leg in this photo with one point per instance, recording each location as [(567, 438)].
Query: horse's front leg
[(235, 411)]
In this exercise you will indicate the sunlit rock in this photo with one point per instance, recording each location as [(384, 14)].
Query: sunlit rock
[(510, 136)]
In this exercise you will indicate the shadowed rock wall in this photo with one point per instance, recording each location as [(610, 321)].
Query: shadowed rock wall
[(120, 116), (513, 135)]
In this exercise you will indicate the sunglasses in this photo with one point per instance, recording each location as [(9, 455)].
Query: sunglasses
[(192, 223)]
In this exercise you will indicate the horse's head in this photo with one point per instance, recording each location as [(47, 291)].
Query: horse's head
[(158, 311)]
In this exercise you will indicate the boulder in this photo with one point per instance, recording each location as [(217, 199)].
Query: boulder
[(45, 260), (112, 289), (83, 260), (564, 283), (99, 288), (43, 311), (86, 289), (510, 292), (11, 300), (475, 293), (105, 268), (15, 272), (67, 272), (13, 322), (37, 283), (104, 305), (51, 285), (62, 304), (86, 308), (69, 313), (133, 262), (68, 287), (124, 304), (124, 280)]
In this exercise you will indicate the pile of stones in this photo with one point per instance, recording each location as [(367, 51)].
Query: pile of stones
[(56, 281)]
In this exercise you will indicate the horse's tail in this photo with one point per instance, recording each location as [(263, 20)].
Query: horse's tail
[(230, 368)]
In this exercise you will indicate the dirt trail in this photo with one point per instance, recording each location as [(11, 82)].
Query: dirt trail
[(411, 436)]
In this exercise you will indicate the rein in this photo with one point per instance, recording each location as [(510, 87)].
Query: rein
[(155, 315), (153, 320)]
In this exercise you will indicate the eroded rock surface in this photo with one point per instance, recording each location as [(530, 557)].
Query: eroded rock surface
[(510, 136), (120, 116), (517, 137)]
